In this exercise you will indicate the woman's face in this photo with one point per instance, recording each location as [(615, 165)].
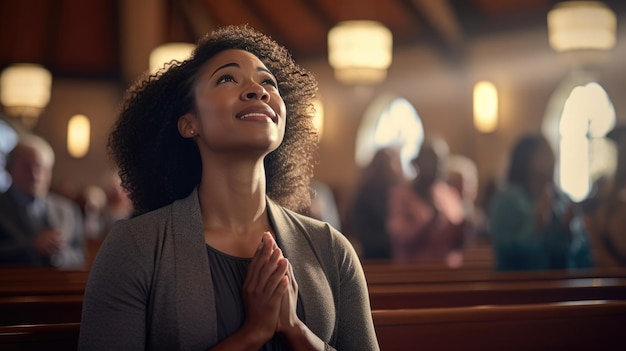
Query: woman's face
[(238, 105)]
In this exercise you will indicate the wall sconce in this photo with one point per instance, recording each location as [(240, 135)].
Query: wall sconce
[(360, 51), (78, 134), (485, 107), (162, 55), (318, 117), (581, 25), (25, 91)]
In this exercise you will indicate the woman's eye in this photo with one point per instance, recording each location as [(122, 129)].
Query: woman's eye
[(225, 78), (271, 82)]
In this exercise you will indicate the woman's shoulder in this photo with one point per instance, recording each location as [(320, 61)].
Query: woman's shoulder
[(510, 196), (511, 192), (148, 218), (141, 227), (318, 232), (310, 224)]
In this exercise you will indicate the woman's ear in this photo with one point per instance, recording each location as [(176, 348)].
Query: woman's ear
[(187, 126)]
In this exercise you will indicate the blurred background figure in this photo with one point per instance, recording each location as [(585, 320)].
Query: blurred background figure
[(535, 226), (605, 210), (369, 209), (93, 201), (118, 205), (324, 205), (462, 175), (101, 208), (426, 217), (37, 227)]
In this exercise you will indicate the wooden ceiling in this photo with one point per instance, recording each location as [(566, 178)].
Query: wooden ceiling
[(78, 38)]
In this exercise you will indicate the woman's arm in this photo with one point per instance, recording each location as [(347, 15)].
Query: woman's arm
[(355, 330), (116, 296)]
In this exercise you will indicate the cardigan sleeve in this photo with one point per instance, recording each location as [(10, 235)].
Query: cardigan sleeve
[(355, 329), (116, 296)]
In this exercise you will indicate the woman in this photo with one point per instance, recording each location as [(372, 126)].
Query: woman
[(369, 210), (533, 225), (426, 220), (216, 153)]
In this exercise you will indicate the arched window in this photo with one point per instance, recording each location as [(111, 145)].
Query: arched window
[(8, 139), (389, 121), (578, 133)]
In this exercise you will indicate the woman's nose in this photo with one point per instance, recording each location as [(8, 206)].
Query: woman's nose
[(255, 91)]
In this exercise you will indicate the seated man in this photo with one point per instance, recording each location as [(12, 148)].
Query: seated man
[(37, 228)]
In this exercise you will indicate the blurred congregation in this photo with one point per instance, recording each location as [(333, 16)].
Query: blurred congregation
[(531, 212)]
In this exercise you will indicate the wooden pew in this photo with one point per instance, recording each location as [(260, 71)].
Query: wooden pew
[(35, 281), (12, 274), (53, 291), (49, 337), (30, 295), (454, 294), (42, 289), (59, 308), (585, 325), (40, 309), (414, 274)]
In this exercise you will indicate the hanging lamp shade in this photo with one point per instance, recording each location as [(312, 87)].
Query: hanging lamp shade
[(25, 91), (581, 25), (162, 55), (360, 51)]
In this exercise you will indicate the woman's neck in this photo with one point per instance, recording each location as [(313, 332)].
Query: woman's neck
[(232, 196)]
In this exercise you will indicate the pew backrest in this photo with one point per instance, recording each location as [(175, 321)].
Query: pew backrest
[(584, 325)]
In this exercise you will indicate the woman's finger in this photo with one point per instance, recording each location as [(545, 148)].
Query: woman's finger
[(262, 254)]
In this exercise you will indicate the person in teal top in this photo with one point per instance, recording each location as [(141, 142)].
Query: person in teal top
[(533, 225)]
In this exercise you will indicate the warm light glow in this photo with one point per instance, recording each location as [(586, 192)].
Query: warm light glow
[(581, 25), (574, 155), (161, 56), (78, 130), (485, 107), (25, 90), (360, 51), (318, 117), (587, 113)]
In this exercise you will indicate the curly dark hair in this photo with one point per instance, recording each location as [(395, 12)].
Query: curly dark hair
[(158, 166), (519, 171)]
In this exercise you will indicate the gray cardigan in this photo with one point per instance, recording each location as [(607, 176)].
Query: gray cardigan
[(150, 286)]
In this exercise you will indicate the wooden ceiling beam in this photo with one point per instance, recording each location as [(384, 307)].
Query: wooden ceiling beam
[(314, 7), (260, 10), (440, 15), (440, 25), (197, 17)]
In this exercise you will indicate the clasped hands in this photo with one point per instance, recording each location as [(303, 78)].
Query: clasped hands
[(270, 292), (49, 242)]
